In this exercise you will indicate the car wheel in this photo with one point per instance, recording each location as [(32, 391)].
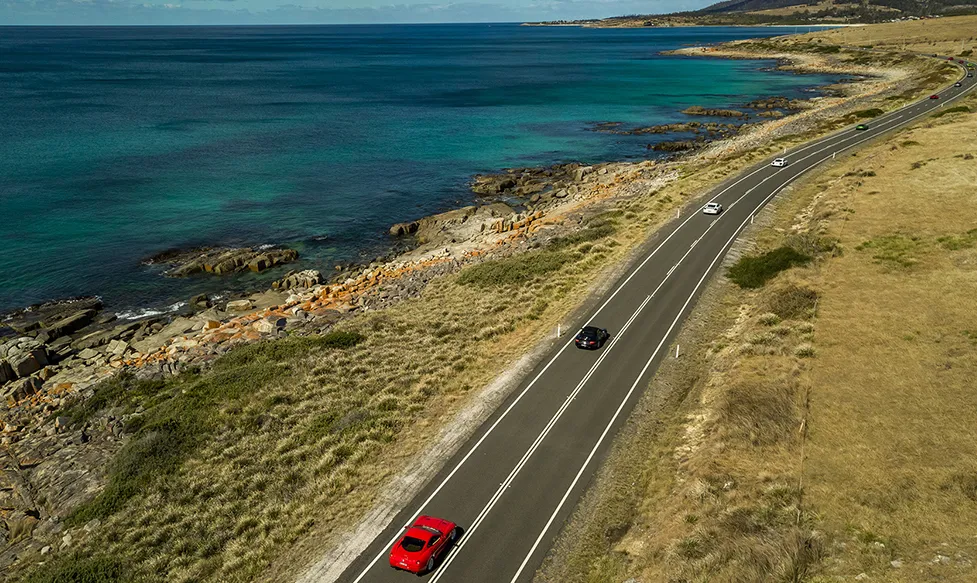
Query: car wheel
[(430, 565), (453, 535)]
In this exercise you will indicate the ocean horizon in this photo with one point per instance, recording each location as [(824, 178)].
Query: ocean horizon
[(121, 142)]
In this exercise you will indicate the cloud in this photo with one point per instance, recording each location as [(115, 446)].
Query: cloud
[(131, 12)]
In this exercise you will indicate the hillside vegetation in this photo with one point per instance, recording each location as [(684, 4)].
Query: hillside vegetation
[(793, 12)]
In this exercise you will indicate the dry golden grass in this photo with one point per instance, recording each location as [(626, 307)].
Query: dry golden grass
[(804, 9), (893, 453), (792, 448), (945, 36)]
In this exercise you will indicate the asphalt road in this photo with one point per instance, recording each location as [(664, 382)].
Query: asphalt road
[(512, 486)]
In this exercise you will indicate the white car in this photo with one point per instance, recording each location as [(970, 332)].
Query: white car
[(712, 208), (779, 162)]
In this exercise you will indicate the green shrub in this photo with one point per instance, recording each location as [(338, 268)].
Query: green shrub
[(591, 233), (77, 568), (868, 113), (894, 250), (958, 242), (514, 270), (949, 110), (754, 272)]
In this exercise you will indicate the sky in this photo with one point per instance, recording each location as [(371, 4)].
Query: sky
[(130, 12)]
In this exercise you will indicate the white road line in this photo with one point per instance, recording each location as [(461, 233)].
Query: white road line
[(611, 297)]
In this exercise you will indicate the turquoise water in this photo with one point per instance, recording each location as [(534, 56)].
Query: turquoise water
[(120, 142)]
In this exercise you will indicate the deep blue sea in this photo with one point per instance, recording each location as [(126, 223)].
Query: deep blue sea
[(116, 143)]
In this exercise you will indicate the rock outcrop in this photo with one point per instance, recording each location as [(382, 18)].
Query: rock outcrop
[(299, 280), (777, 102), (675, 146), (712, 128), (221, 261), (698, 110), (50, 314), (522, 182), (456, 224)]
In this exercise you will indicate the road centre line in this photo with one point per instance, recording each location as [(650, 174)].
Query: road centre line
[(611, 297)]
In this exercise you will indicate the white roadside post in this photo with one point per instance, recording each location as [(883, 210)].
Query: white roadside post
[(676, 350), (558, 331)]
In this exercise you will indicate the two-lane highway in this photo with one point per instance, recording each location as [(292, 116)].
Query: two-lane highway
[(512, 486)]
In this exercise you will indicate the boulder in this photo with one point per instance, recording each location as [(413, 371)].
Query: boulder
[(94, 339), (402, 229), (70, 324), (579, 173), (269, 324), (200, 301), (239, 305), (299, 279), (29, 361), (118, 347), (7, 373)]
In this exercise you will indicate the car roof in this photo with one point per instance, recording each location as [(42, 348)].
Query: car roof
[(590, 329), (712, 204)]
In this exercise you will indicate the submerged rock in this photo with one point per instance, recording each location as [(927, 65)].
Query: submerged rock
[(220, 261), (48, 315), (698, 110)]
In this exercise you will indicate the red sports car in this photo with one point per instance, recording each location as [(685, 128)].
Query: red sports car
[(425, 542), (934, 96)]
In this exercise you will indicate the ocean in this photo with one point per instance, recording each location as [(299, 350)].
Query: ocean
[(120, 142)]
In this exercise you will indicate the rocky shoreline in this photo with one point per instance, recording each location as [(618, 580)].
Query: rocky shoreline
[(53, 354)]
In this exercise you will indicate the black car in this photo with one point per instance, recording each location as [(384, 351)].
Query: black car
[(591, 337)]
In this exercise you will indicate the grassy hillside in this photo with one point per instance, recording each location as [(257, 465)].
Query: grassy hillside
[(795, 12)]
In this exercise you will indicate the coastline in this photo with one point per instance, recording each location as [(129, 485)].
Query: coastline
[(456, 239), (193, 332), (598, 24)]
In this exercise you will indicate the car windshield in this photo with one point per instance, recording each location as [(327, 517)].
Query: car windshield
[(412, 545)]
